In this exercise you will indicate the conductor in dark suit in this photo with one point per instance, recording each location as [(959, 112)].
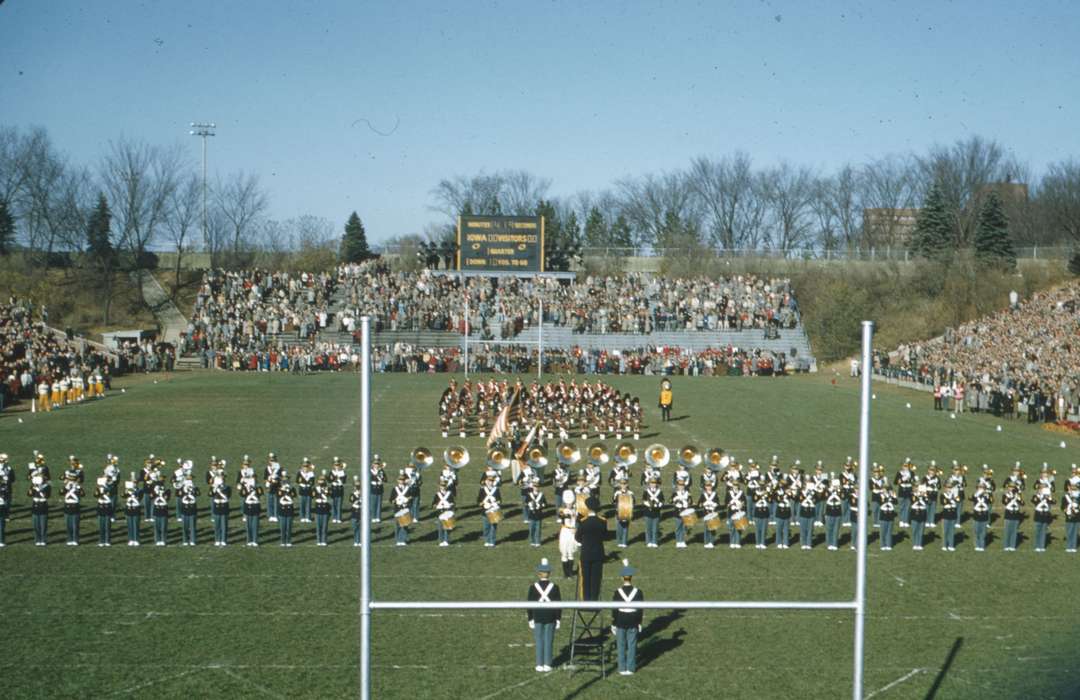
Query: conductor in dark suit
[(591, 533)]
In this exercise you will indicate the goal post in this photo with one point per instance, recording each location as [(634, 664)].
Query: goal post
[(858, 605)]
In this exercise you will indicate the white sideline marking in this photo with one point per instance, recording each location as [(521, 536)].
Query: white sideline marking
[(512, 687), (898, 681)]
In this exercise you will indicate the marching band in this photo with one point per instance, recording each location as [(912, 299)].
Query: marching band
[(741, 500)]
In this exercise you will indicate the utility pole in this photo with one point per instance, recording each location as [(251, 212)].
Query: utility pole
[(203, 129)]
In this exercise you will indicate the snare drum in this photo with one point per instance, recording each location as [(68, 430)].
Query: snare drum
[(689, 517), (712, 521), (447, 519), (626, 507), (494, 516), (403, 517)]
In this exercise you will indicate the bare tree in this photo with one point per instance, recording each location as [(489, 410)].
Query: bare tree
[(185, 212), (836, 208), (887, 186), (520, 192), (511, 192), (140, 181), (241, 202), (789, 192), (1059, 198), (729, 197), (649, 202)]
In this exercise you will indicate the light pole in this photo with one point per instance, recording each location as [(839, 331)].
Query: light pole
[(203, 129)]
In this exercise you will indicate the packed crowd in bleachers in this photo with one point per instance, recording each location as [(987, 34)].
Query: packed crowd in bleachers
[(32, 354), (1022, 361)]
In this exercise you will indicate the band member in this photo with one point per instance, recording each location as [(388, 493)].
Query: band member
[(736, 511), (950, 516), (149, 477), (680, 501), (886, 515), (1042, 503), (623, 500), (754, 482), (1045, 480), (189, 512), (653, 504), (568, 518), (989, 487), (40, 490), (338, 477), (666, 400), (544, 622), (305, 487), (534, 509), (592, 479), (490, 500), (251, 493), (788, 501), (285, 503), (904, 484), (401, 498), (1017, 478), (106, 507), (132, 509), (918, 516), (958, 482), (709, 505), (762, 503), (179, 476), (443, 503), (852, 497), (834, 513), (1013, 500), (356, 510), (220, 493), (72, 497), (849, 479), (878, 483), (626, 623), (377, 487), (932, 481), (591, 533), (416, 482), (1070, 505), (272, 482), (982, 505), (561, 477), (322, 500), (159, 502)]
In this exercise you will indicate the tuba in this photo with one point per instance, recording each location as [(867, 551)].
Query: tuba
[(716, 460), (420, 458), (598, 454), (657, 456), (456, 457), (569, 454), (689, 457), (625, 454), (537, 457), (497, 459)]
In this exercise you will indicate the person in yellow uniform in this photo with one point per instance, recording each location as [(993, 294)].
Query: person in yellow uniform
[(666, 399)]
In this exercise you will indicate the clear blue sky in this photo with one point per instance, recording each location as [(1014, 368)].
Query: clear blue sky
[(579, 93)]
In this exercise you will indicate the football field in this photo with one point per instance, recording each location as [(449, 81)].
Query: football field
[(282, 623)]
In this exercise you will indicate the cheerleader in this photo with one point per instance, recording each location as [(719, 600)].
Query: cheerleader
[(285, 500), (567, 531), (251, 494), (1042, 502), (322, 500), (680, 501), (106, 506), (653, 502)]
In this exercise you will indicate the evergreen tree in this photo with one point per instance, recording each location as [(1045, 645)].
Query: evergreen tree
[(1074, 264), (7, 229), (101, 254), (596, 230), (561, 243), (933, 237), (620, 235), (993, 245), (354, 245)]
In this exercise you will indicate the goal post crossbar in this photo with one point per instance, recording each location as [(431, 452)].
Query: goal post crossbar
[(612, 605)]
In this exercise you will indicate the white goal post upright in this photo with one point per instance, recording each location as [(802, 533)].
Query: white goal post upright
[(858, 605), (539, 342)]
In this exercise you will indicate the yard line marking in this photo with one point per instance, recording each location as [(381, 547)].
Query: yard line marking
[(898, 681), (511, 687), (900, 580), (147, 684)]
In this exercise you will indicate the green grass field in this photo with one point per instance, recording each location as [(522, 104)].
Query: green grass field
[(235, 622)]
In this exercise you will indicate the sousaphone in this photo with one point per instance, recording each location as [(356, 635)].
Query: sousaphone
[(498, 459), (598, 454), (569, 454), (657, 456), (537, 457), (421, 458), (625, 454), (716, 460), (689, 457), (456, 457)]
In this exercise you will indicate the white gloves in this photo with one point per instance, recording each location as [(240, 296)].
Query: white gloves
[(558, 624), (639, 629), (532, 625), (613, 629)]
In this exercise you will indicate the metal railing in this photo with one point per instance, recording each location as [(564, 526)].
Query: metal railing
[(367, 603)]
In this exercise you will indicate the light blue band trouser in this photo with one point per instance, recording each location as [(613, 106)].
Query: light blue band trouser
[(980, 533), (252, 523), (1041, 534), (886, 533), (917, 527), (622, 531), (544, 639), (161, 528), (1071, 531), (652, 530), (949, 525), (626, 642), (534, 530), (1012, 533), (761, 530), (321, 524), (832, 530)]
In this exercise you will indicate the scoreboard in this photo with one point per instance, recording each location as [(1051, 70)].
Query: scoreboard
[(501, 243)]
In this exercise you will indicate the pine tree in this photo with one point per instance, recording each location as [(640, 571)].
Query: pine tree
[(354, 245), (101, 254), (7, 229), (993, 246), (933, 237), (621, 236), (561, 243), (596, 231)]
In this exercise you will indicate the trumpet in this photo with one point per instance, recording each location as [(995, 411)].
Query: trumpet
[(497, 459), (568, 454), (689, 456), (625, 454), (657, 456), (716, 460), (456, 457), (598, 454), (537, 457), (421, 458)]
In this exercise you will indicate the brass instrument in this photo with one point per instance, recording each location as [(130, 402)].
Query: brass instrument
[(716, 460), (569, 454), (689, 456), (625, 454), (598, 454), (657, 456), (537, 457), (421, 458), (456, 457), (498, 459)]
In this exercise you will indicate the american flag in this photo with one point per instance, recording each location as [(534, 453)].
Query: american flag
[(510, 412)]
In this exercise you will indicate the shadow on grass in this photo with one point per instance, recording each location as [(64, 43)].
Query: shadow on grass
[(949, 658), (655, 645)]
